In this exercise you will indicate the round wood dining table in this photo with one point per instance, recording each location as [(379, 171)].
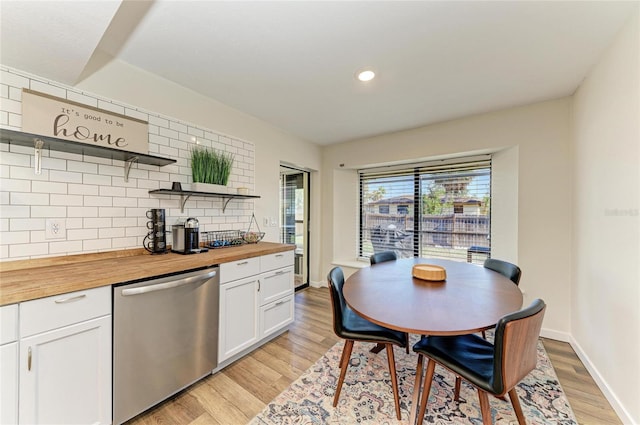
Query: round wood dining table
[(471, 299)]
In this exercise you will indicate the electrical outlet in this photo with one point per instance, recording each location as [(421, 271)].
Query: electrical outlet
[(55, 228)]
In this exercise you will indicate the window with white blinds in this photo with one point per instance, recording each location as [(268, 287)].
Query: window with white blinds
[(440, 209)]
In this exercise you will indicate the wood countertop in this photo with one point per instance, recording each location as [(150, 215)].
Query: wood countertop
[(31, 279)]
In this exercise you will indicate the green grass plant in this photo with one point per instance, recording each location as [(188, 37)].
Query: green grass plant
[(210, 165)]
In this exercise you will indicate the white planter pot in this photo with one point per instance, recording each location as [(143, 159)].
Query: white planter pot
[(208, 187)]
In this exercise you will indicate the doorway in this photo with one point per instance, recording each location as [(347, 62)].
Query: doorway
[(294, 219)]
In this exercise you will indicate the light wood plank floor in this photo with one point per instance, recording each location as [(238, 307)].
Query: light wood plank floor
[(237, 393)]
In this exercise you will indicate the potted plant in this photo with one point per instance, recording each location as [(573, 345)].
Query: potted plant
[(210, 169)]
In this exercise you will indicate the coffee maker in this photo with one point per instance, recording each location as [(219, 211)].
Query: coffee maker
[(186, 238), (155, 240)]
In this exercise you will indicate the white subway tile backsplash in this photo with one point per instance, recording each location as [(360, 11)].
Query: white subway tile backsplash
[(15, 211), (98, 201), (68, 200), (10, 238), (23, 198), (96, 179), (81, 234), (63, 247), (18, 251), (65, 176), (82, 167), (82, 212), (96, 244), (113, 232), (101, 210), (125, 243), (48, 89), (96, 223), (83, 189), (81, 98), (112, 212)]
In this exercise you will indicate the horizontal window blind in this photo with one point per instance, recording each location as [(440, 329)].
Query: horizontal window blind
[(439, 209)]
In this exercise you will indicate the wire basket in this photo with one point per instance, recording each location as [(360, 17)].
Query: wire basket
[(222, 238), (251, 236)]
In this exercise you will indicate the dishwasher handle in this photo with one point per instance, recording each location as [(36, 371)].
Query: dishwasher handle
[(162, 286)]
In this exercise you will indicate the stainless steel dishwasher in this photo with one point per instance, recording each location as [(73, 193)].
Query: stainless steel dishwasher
[(165, 337)]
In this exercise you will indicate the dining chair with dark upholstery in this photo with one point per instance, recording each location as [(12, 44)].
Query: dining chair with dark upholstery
[(347, 324), (381, 257), (491, 368), (506, 269)]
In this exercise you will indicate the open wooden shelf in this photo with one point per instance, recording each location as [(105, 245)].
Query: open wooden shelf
[(186, 194), (39, 142)]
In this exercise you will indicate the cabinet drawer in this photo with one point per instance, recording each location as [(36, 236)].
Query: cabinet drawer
[(239, 269), (62, 310), (8, 323), (274, 285), (276, 315), (276, 261)]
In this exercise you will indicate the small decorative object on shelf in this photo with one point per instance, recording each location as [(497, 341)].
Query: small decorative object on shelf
[(250, 236)]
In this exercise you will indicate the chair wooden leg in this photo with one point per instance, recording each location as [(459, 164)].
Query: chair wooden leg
[(407, 347), (484, 335), (484, 407), (377, 348), (428, 379), (515, 401), (456, 393), (342, 357), (394, 378), (346, 355), (416, 390)]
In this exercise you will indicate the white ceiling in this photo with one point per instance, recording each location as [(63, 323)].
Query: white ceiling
[(292, 64)]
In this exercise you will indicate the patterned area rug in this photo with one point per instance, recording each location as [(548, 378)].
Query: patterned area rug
[(366, 395)]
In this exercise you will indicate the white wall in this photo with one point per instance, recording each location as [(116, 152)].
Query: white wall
[(606, 267), (531, 192)]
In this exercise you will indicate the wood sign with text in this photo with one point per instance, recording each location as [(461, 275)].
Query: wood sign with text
[(52, 116)]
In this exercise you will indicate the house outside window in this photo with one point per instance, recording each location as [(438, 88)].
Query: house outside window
[(439, 210)]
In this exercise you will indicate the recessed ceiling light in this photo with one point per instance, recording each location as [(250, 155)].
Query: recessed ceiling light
[(366, 75)]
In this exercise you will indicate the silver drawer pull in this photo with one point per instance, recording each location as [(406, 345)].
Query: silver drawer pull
[(243, 263), (71, 299), (29, 359), (279, 255), (279, 303), (280, 272)]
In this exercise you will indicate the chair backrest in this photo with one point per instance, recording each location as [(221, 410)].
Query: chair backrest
[(506, 269), (381, 257), (335, 280), (516, 346)]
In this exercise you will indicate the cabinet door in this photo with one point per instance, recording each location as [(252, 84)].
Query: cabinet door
[(65, 375), (238, 316), (9, 383), (275, 285), (276, 315)]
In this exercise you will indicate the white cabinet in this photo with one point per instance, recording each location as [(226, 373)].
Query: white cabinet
[(238, 316), (256, 300), (9, 364), (65, 359)]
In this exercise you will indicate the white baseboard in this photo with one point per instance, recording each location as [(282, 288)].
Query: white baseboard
[(318, 284), (622, 413), (557, 335)]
